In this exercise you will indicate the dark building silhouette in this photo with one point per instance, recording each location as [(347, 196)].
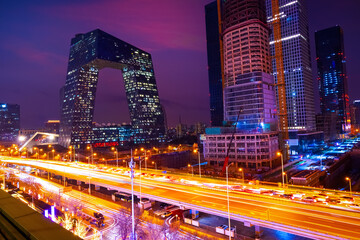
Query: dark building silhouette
[(9, 122), (214, 64), (330, 57), (89, 53)]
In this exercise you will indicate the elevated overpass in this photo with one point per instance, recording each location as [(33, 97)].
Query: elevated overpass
[(312, 221), (18, 221)]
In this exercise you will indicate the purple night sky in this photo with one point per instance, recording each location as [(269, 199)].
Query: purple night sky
[(35, 39)]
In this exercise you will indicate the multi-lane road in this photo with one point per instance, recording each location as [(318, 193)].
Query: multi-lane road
[(313, 221)]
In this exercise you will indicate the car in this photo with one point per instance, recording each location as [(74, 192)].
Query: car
[(288, 196), (320, 198), (333, 200), (309, 199), (166, 214), (298, 196), (354, 206), (347, 200)]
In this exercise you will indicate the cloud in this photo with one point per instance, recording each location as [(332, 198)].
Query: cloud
[(32, 54), (169, 26)]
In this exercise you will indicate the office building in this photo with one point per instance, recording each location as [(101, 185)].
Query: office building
[(355, 114), (89, 53), (327, 123), (249, 150), (297, 62), (52, 126), (249, 93), (214, 64), (9, 122), (332, 76), (112, 135)]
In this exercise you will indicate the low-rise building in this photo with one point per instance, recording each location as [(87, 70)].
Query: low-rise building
[(248, 149), (307, 178)]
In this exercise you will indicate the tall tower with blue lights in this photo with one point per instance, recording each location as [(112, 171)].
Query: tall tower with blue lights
[(332, 77)]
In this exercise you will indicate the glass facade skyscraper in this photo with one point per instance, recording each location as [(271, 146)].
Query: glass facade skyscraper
[(9, 122), (331, 65), (214, 64), (297, 62), (91, 52)]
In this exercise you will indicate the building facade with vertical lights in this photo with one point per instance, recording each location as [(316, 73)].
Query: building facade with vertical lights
[(9, 122), (332, 76), (89, 53), (297, 62), (249, 94)]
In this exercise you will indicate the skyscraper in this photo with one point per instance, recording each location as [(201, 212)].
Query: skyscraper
[(89, 53), (331, 64), (249, 92), (297, 62), (214, 64), (9, 122)]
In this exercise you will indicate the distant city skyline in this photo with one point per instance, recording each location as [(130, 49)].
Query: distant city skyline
[(35, 52)]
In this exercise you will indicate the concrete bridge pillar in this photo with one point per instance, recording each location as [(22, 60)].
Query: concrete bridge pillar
[(258, 232)]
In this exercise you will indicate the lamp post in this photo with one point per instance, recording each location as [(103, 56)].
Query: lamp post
[(349, 179), (89, 185), (132, 166), (242, 173), (198, 152), (192, 170), (37, 155), (91, 154), (287, 183), (117, 156), (282, 166), (70, 152), (228, 199), (155, 165)]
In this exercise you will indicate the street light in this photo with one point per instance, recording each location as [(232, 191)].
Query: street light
[(228, 200), (144, 150), (282, 166), (89, 184), (155, 165), (37, 156), (287, 183), (70, 152), (198, 152), (91, 154), (192, 169), (242, 173), (349, 179), (117, 156)]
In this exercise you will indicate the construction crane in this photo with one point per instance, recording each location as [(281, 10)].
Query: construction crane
[(281, 87)]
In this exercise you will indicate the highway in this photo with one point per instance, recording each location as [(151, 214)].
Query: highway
[(92, 204), (313, 221)]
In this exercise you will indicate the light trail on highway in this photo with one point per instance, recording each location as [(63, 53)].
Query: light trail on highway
[(281, 214)]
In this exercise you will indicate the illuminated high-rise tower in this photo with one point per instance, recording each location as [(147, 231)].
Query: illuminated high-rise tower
[(9, 122), (297, 62), (89, 53), (331, 64), (249, 88)]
